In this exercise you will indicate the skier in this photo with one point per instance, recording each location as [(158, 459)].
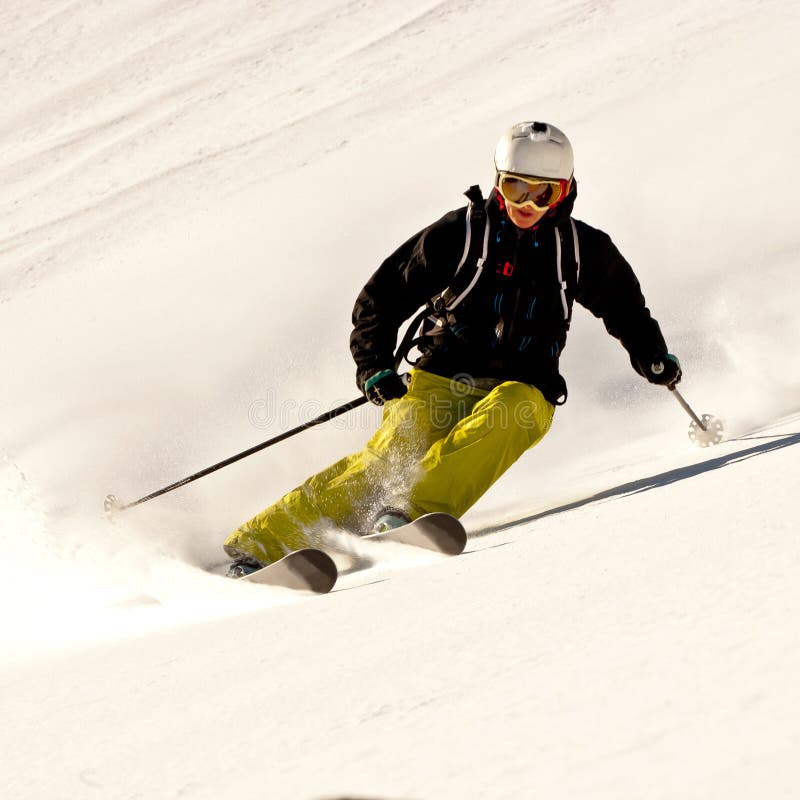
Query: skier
[(498, 279)]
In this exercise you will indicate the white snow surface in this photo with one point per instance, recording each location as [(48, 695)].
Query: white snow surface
[(192, 195)]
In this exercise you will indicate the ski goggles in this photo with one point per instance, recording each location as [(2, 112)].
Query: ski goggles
[(523, 190)]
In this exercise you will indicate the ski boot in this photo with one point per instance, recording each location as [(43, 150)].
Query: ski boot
[(243, 565), (388, 519)]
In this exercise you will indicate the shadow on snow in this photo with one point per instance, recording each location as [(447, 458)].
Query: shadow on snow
[(655, 481)]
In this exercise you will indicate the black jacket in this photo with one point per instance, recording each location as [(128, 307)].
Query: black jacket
[(512, 325)]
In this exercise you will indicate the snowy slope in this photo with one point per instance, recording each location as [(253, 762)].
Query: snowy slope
[(192, 195)]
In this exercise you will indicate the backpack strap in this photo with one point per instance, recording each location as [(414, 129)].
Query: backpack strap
[(559, 271), (476, 246), (469, 269), (577, 246)]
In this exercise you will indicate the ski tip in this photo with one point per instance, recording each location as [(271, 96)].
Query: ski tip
[(456, 543), (318, 568), (437, 531), (307, 570), (453, 538)]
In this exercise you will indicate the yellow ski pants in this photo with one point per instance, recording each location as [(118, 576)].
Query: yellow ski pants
[(439, 448)]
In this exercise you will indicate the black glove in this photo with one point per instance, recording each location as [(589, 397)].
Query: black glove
[(384, 386), (665, 371)]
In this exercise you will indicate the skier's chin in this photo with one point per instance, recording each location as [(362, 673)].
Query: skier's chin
[(525, 217)]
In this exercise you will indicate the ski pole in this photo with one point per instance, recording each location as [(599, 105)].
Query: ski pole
[(112, 503), (657, 368), (688, 409), (704, 431)]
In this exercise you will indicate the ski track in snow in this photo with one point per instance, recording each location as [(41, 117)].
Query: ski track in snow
[(192, 195)]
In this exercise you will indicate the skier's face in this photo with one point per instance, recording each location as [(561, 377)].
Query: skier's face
[(524, 217)]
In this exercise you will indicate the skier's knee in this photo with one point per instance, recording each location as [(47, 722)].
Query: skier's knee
[(525, 408)]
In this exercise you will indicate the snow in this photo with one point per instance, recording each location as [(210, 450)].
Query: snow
[(193, 193)]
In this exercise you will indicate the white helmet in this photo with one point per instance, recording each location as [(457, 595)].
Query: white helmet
[(536, 149)]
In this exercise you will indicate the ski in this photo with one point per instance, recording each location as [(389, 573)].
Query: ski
[(439, 532), (307, 570)]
